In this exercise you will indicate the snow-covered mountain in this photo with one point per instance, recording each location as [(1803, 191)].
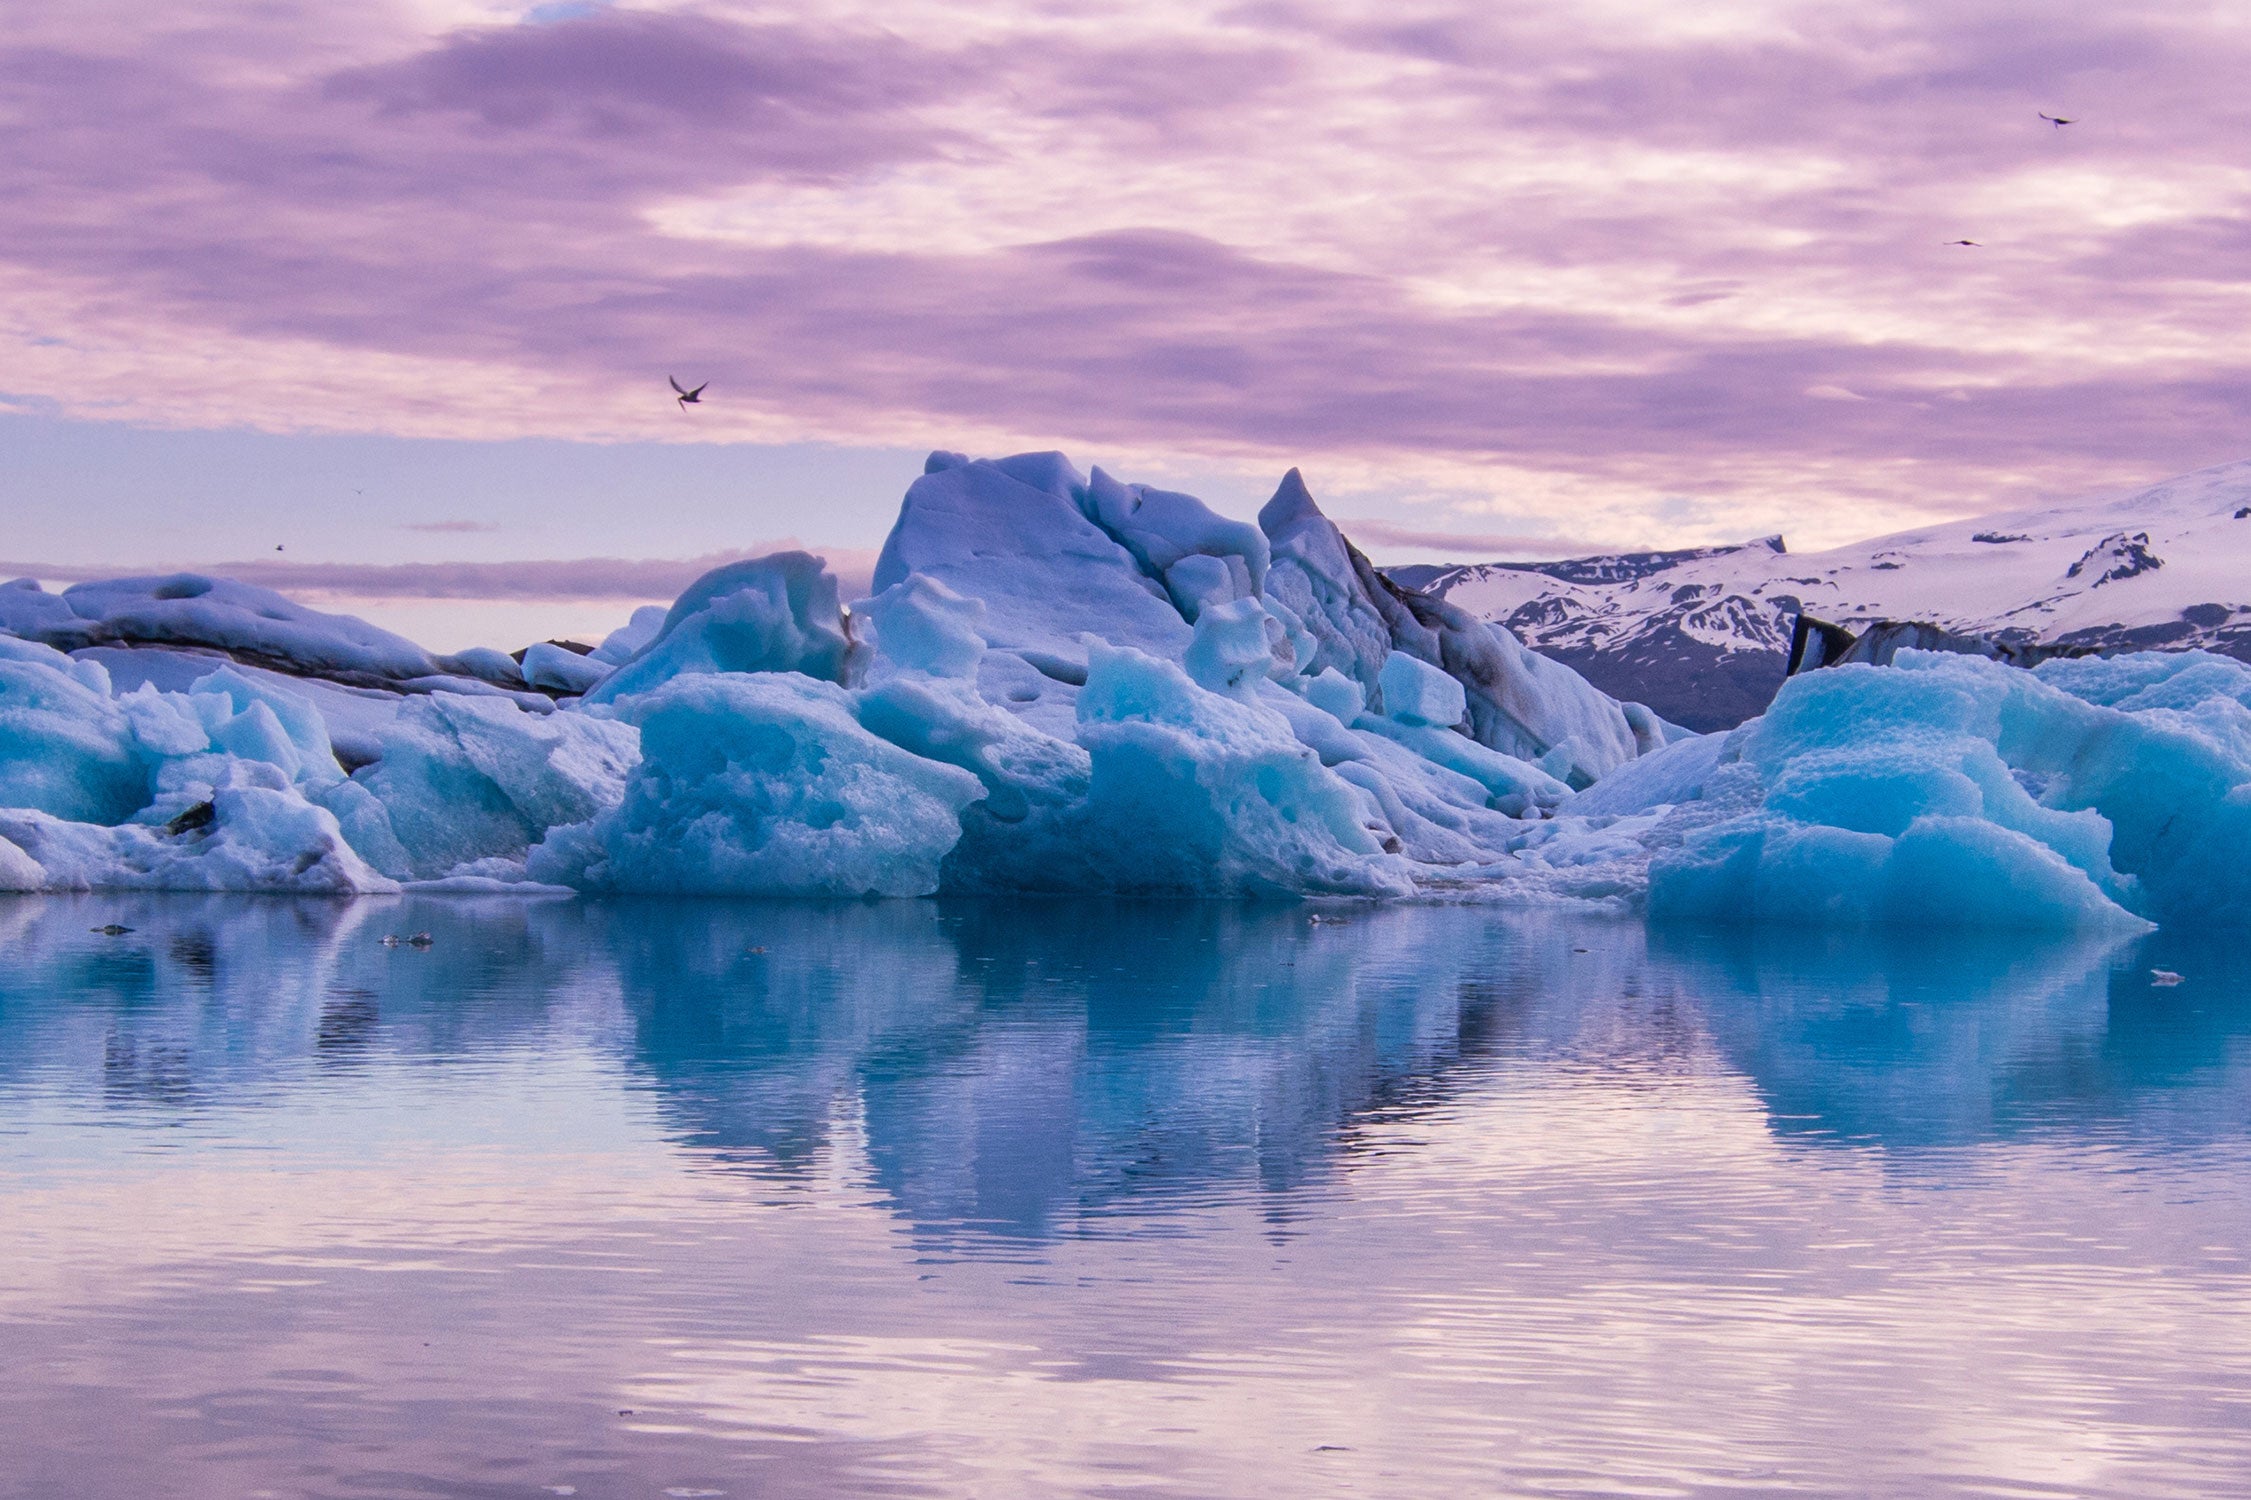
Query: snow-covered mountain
[(1703, 635)]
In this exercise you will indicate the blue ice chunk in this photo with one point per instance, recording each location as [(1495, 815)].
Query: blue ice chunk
[(1233, 649), (253, 839), (1940, 871), (764, 784), (1200, 556), (257, 623), (66, 747), (552, 667), (1415, 692), (1336, 694), (771, 614), (632, 638), (2008, 797), (228, 697), (463, 779), (923, 626), (1195, 792), (1671, 774), (1516, 787)]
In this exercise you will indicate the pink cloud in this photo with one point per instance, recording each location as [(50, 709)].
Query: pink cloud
[(638, 579), (1374, 534), (1742, 230)]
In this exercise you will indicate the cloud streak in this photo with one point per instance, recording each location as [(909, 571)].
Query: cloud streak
[(585, 578), (1530, 262), (1375, 535)]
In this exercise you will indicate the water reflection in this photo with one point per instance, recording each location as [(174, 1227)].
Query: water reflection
[(1022, 1070), (1914, 1041), (1010, 1069), (216, 1001), (1057, 1198)]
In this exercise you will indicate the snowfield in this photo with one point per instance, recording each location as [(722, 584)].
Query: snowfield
[(1067, 683), (1703, 635)]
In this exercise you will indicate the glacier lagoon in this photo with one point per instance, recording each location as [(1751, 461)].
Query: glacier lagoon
[(617, 1197)]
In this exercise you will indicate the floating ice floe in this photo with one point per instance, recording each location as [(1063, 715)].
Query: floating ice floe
[(1067, 683), (1953, 790)]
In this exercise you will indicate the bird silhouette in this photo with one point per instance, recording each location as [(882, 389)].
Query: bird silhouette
[(2058, 121), (687, 397), (2164, 978), (277, 546), (1971, 243)]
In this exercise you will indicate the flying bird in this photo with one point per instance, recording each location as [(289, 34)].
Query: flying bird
[(1972, 243), (687, 397), (2164, 978), (2058, 121)]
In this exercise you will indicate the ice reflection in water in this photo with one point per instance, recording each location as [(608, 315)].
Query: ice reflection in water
[(1057, 1198)]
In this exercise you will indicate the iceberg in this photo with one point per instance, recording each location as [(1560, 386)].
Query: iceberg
[(1063, 682), (1955, 790), (1354, 619), (923, 626), (1415, 692)]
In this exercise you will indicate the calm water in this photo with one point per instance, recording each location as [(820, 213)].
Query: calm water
[(1057, 1199)]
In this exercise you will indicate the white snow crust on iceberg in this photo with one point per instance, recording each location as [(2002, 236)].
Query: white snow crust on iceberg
[(252, 627), (1067, 683), (191, 609), (770, 614), (1012, 534)]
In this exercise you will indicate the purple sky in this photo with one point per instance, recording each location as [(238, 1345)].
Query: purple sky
[(1633, 272)]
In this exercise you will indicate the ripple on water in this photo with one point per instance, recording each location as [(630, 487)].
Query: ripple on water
[(1054, 1198)]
